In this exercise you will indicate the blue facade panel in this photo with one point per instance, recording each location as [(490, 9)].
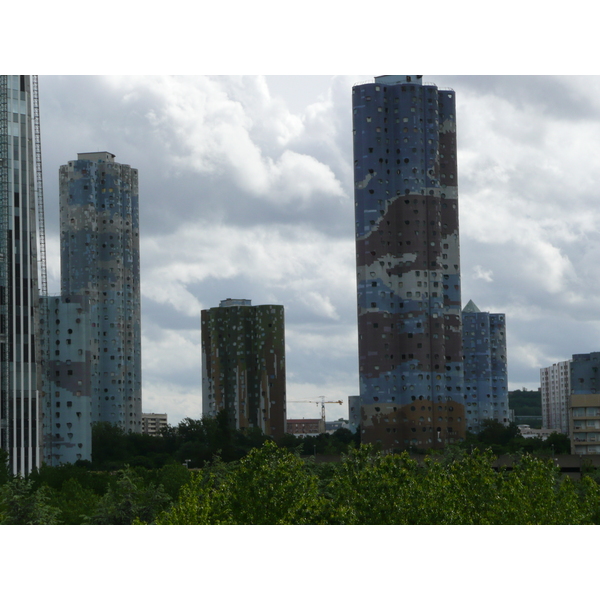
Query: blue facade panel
[(486, 377), (408, 266)]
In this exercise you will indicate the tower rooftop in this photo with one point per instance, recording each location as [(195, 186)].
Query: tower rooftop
[(395, 79), (102, 156), (471, 307)]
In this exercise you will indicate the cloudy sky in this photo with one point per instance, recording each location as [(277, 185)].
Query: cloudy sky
[(246, 192)]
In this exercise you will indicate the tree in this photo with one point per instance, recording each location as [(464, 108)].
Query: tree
[(269, 486), (4, 471), (109, 446), (76, 503), (130, 499), (20, 505)]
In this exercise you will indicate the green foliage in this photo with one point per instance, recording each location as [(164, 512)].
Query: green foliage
[(130, 498), (525, 403), (272, 487), (20, 505), (394, 489), (4, 472), (76, 504), (501, 439), (269, 486)]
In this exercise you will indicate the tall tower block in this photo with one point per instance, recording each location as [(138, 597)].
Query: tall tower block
[(408, 264), (100, 269), (20, 380), (243, 365)]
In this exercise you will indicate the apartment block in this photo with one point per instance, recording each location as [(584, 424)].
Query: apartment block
[(152, 423), (556, 389), (408, 263), (98, 313), (584, 409), (486, 377), (243, 365)]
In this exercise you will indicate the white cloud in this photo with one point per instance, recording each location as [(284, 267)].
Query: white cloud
[(245, 196)]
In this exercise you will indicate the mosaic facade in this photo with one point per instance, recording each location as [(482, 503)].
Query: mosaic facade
[(486, 377), (100, 274), (243, 365), (408, 264)]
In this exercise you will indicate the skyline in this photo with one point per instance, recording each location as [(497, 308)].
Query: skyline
[(259, 176)]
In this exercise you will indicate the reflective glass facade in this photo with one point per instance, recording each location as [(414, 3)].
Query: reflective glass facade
[(19, 297)]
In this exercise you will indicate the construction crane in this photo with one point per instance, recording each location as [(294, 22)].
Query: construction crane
[(322, 402)]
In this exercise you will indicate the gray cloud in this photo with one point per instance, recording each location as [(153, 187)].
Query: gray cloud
[(246, 191)]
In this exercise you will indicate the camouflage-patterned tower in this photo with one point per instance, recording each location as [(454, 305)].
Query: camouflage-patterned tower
[(408, 266), (243, 365), (100, 273)]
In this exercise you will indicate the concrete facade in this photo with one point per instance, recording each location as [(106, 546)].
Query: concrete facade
[(408, 263), (303, 427), (73, 378), (556, 389), (20, 377), (152, 423), (243, 365), (584, 404), (100, 272), (486, 376)]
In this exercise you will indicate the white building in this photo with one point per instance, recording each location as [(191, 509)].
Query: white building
[(556, 389)]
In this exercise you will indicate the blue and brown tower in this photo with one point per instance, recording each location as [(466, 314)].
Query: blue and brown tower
[(408, 263)]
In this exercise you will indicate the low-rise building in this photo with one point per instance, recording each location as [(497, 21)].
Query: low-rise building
[(152, 423), (305, 426)]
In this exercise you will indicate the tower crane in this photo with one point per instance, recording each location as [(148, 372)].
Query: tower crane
[(322, 402)]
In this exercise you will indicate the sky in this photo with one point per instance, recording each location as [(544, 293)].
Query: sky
[(246, 191)]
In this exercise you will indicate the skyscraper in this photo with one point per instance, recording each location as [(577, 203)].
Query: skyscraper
[(243, 365), (96, 346), (408, 265), (20, 378), (486, 377)]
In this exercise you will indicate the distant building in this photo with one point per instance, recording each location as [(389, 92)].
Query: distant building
[(486, 378), (584, 409), (331, 426), (302, 427), (408, 263), (243, 365), (95, 327), (529, 433), (152, 423), (556, 390)]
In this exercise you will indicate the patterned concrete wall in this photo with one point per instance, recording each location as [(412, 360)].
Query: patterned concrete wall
[(243, 365), (20, 411), (486, 377), (73, 366), (100, 261), (408, 265)]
